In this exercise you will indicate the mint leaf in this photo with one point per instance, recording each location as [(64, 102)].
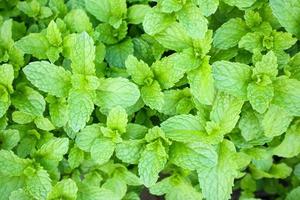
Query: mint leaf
[(7, 76), (287, 14), (87, 136), (66, 188), (114, 92), (139, 71), (193, 21), (152, 95), (260, 96), (82, 54), (49, 78), (216, 182), (78, 116), (28, 100), (35, 44), (288, 147), (117, 119), (152, 161), (276, 121), (230, 33), (286, 95), (232, 77), (130, 151), (111, 12), (53, 34), (202, 83), (183, 128), (193, 155), (38, 183), (101, 150), (117, 54)]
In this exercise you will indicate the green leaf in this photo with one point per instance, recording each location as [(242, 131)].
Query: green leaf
[(87, 136), (20, 194), (252, 41), (9, 185), (207, 7), (11, 165), (193, 21), (177, 102), (75, 157), (49, 78), (175, 188), (174, 37), (101, 150), (260, 96), (183, 128), (152, 161), (202, 83), (82, 54), (230, 33), (289, 147), (80, 107), (276, 121), (193, 155), (249, 125), (225, 112), (117, 54), (130, 151), (114, 92), (240, 4), (139, 71), (28, 100), (58, 111), (87, 192), (53, 34), (53, 53), (287, 13), (283, 40), (279, 171), (267, 66), (7, 76), (65, 188), (35, 44), (137, 13), (6, 40), (152, 95), (54, 149), (117, 119), (294, 194), (43, 123), (169, 6), (216, 182), (77, 21), (117, 186), (167, 72), (287, 95), (232, 78), (31, 9), (38, 183), (9, 138), (110, 11), (4, 100), (155, 22), (110, 35)]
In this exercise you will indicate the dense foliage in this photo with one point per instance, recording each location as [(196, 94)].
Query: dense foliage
[(183, 99)]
